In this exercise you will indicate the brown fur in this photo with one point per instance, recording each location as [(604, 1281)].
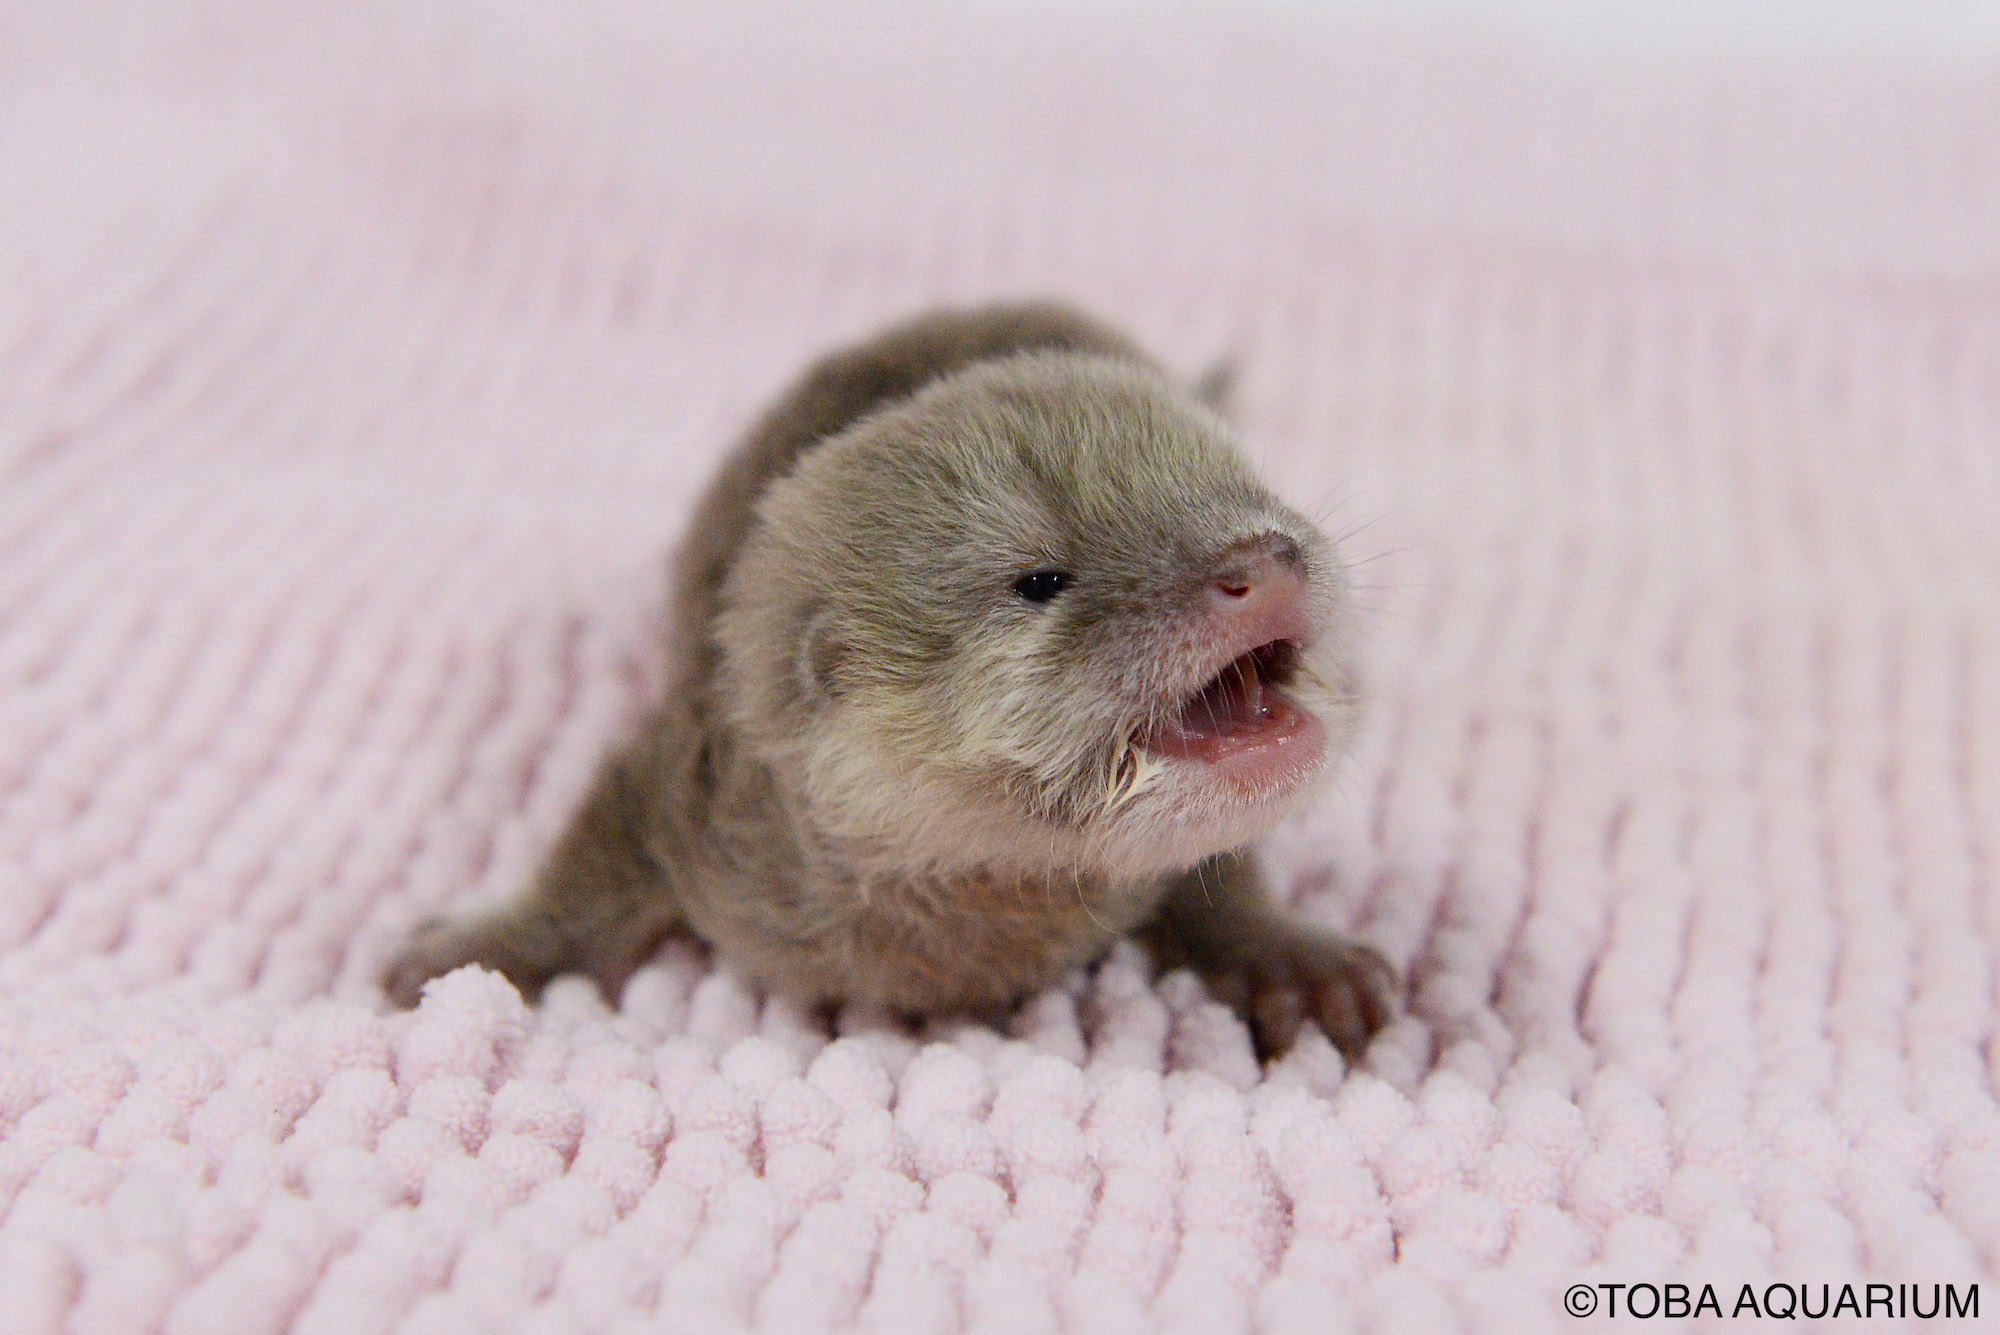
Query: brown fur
[(879, 776)]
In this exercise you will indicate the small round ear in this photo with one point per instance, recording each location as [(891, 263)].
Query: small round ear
[(1216, 387), (816, 671)]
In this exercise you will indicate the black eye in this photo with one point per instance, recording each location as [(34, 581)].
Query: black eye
[(1042, 585)]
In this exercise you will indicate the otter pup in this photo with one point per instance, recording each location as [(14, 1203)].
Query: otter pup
[(986, 646)]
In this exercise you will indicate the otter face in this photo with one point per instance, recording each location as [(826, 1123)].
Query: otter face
[(1040, 615)]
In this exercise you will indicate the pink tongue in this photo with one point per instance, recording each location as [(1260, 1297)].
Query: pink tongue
[(1232, 714), (1232, 703)]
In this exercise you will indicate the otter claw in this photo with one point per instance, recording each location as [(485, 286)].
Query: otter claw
[(436, 947), (1348, 990)]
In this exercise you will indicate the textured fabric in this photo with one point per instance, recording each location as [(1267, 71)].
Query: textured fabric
[(356, 370)]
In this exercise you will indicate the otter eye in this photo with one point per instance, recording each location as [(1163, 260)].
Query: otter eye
[(1041, 585)]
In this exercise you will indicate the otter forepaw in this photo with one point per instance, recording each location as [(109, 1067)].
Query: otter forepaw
[(439, 945), (436, 947), (1346, 988)]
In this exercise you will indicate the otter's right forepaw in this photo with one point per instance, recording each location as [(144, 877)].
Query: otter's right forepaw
[(436, 947), (439, 945)]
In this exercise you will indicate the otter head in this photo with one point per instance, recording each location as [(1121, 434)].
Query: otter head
[(1039, 616)]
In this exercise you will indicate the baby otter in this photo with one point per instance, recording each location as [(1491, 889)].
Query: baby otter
[(986, 646)]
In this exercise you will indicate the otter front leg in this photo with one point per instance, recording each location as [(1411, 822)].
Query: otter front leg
[(1274, 971), (598, 906)]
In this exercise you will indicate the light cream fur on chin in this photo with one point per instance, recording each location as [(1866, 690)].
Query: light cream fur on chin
[(986, 647)]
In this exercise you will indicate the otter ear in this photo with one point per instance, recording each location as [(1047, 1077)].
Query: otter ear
[(816, 671), (1216, 387)]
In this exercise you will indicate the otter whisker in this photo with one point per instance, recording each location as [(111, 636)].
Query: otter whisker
[(1083, 902), (1334, 694)]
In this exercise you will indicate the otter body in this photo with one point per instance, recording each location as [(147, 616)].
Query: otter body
[(985, 647)]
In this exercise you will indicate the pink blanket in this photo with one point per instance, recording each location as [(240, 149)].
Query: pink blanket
[(357, 367)]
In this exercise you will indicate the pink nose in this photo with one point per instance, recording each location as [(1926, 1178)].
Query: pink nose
[(1258, 583), (1258, 564)]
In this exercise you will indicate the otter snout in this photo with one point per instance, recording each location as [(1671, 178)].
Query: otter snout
[(1256, 592)]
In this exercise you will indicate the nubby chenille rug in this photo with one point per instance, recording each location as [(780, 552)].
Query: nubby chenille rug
[(358, 365)]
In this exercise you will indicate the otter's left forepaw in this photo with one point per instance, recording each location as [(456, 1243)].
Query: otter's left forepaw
[(1346, 988)]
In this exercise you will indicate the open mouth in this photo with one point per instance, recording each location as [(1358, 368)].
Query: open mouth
[(1242, 721)]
